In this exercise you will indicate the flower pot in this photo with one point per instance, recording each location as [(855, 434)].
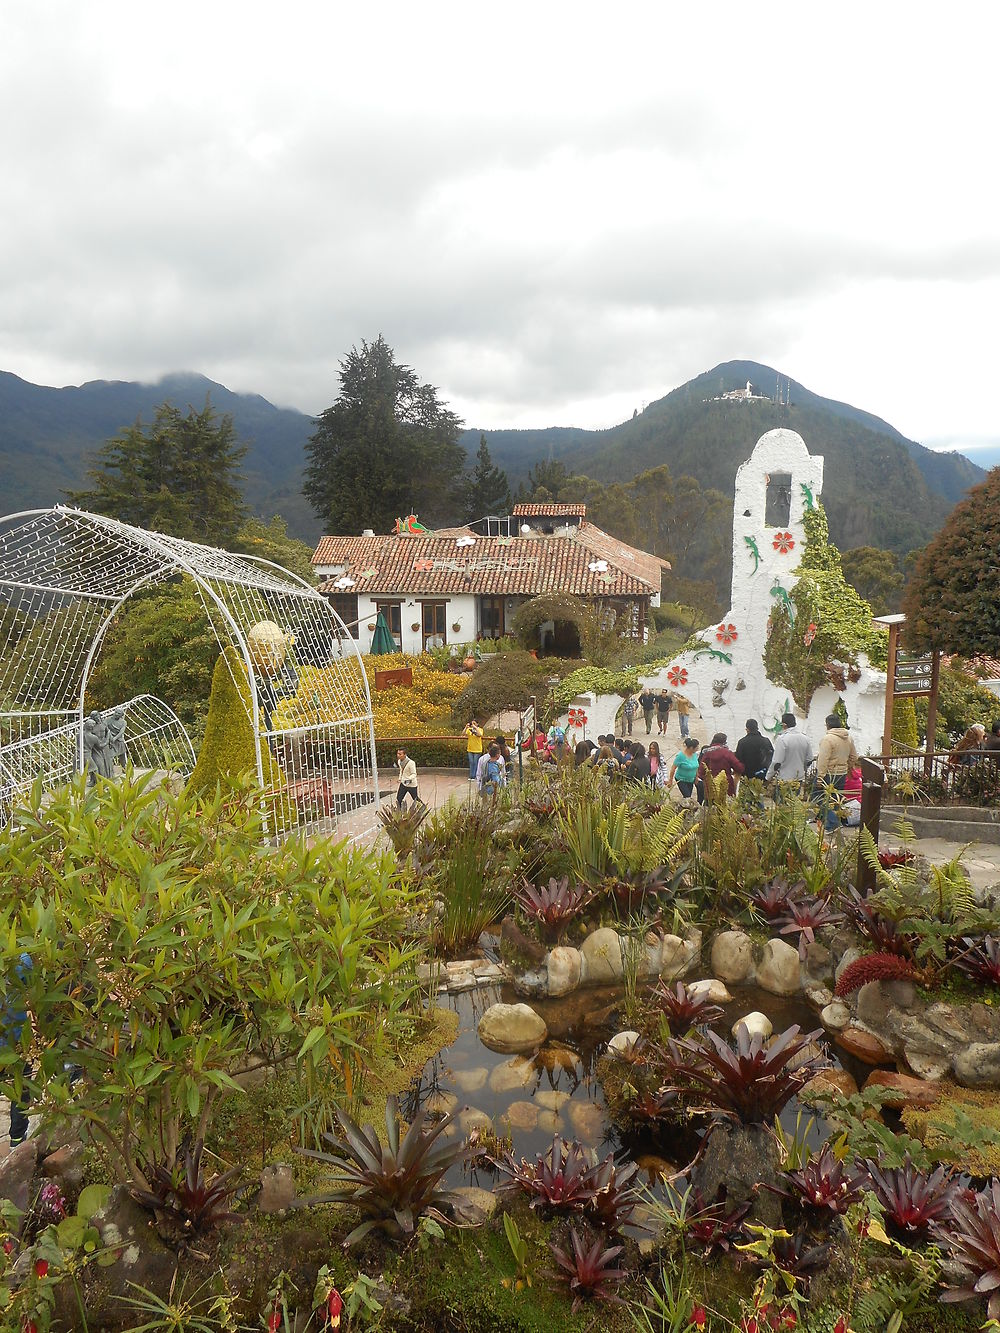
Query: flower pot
[(415, 627), (456, 627)]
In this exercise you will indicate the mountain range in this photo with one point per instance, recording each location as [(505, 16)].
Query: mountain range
[(880, 488)]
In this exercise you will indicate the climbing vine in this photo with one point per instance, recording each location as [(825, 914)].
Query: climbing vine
[(831, 626)]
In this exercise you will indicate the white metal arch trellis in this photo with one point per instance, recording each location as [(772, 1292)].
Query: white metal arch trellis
[(65, 575)]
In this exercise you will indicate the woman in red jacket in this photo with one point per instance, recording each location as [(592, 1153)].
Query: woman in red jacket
[(717, 758)]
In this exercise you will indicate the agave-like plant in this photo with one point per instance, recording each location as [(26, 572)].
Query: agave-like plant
[(972, 1239), (589, 1271), (980, 959), (825, 1183), (553, 905), (889, 859), (912, 1198), (559, 1178), (807, 916), (774, 898), (616, 1195), (867, 920), (750, 1082), (800, 1260), (393, 1184), (652, 1107), (685, 1008), (184, 1203), (713, 1224), (402, 824)]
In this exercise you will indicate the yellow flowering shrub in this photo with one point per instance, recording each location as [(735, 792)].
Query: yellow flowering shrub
[(423, 709)]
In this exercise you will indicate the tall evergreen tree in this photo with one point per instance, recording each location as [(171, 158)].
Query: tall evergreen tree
[(951, 601), (178, 475), (387, 447), (487, 490)]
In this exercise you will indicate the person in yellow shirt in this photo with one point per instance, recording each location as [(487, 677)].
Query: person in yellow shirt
[(474, 746), (683, 707)]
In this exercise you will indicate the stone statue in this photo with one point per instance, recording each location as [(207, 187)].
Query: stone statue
[(103, 743)]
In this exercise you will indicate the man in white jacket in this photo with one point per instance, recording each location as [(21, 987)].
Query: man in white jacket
[(793, 752), (407, 777)]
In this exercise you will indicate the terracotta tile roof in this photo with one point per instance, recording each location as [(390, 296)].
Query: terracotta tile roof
[(550, 509), (647, 567), (987, 668), (492, 566)]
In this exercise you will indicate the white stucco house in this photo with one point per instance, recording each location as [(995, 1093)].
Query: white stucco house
[(454, 586)]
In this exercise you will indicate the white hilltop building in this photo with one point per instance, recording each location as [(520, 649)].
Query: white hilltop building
[(725, 677)]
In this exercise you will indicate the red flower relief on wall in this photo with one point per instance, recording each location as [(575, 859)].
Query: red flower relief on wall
[(677, 675), (727, 634), (809, 635), (783, 542), (423, 565)]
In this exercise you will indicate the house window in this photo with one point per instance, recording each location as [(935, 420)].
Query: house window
[(435, 624), (393, 612), (778, 504), (346, 606), (491, 621)]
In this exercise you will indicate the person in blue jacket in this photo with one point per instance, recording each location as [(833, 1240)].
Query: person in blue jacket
[(13, 1016)]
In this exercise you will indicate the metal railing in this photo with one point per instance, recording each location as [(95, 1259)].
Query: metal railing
[(934, 779)]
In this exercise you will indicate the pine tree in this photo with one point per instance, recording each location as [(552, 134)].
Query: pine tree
[(487, 490), (178, 475), (386, 448)]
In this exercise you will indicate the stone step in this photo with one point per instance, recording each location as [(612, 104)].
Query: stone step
[(941, 822)]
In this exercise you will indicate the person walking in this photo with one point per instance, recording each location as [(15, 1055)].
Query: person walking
[(663, 702), (837, 756), (717, 758), (684, 767), (793, 752), (628, 713), (407, 778), (494, 775), (683, 707), (473, 745), (647, 702), (637, 768), (754, 751), (655, 762)]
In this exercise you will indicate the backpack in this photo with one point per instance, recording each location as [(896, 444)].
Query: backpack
[(491, 778)]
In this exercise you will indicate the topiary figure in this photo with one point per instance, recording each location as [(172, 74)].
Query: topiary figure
[(875, 967), (228, 750), (832, 623)]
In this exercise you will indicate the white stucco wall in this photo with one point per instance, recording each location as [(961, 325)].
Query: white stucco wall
[(461, 610), (725, 679)]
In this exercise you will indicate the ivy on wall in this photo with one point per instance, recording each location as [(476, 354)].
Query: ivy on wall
[(831, 626)]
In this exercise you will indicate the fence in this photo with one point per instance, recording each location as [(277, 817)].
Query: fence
[(932, 780)]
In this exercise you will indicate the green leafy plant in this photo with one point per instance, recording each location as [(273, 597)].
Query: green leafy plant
[(401, 825), (393, 1185), (519, 1252), (173, 950), (463, 864)]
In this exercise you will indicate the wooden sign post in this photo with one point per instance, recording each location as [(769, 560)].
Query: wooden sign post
[(909, 677)]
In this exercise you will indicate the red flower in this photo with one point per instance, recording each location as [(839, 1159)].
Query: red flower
[(334, 1305), (41, 1267), (8, 1245), (727, 634), (30, 1326), (274, 1321), (750, 1324), (783, 542), (422, 566), (677, 675), (841, 1325), (809, 635), (698, 1317)]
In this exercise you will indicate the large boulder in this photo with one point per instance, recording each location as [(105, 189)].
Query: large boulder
[(679, 956), (732, 956), (512, 1027), (602, 957), (17, 1171), (778, 970), (565, 967)]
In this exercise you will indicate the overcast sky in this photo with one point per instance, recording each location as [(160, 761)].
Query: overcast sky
[(553, 212)]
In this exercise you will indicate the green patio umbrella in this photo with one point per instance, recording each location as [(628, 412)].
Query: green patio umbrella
[(382, 640)]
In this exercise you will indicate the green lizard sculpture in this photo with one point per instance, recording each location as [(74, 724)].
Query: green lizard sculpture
[(752, 544)]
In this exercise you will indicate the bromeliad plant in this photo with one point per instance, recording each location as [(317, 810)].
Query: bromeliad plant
[(826, 1184), (912, 1198), (713, 1225), (393, 1184), (568, 1178), (751, 1082), (183, 1202), (972, 1239), (684, 1008), (774, 899), (589, 1271), (553, 906), (980, 959), (173, 949), (805, 918)]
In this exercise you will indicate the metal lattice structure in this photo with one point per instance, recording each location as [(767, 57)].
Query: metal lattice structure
[(66, 575)]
